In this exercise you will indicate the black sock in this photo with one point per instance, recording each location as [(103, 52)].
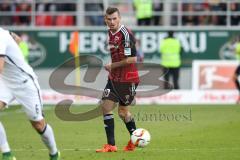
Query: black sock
[(131, 126), (109, 128)]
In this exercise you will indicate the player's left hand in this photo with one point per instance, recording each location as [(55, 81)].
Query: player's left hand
[(108, 67)]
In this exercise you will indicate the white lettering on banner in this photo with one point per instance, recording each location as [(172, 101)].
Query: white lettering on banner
[(91, 42), (85, 42), (148, 42), (64, 41), (99, 42), (191, 43)]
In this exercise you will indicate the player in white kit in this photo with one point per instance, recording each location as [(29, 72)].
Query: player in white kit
[(19, 82)]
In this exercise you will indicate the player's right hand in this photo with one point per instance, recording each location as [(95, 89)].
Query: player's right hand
[(108, 67)]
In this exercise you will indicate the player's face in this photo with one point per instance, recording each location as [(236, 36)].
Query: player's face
[(113, 21)]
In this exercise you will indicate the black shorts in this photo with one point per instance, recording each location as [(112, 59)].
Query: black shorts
[(123, 93)]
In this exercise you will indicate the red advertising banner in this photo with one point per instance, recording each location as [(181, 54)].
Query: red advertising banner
[(213, 75)]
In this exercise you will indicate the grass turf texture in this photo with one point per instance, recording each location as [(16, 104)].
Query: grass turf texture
[(178, 132)]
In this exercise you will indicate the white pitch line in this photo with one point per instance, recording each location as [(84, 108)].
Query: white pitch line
[(146, 149)]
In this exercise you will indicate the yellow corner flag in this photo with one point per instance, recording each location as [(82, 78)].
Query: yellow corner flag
[(74, 50)]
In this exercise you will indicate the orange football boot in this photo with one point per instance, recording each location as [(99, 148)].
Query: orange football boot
[(130, 146), (107, 148)]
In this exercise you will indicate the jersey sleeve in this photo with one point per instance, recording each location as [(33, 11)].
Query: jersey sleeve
[(129, 43), (133, 45), (130, 46)]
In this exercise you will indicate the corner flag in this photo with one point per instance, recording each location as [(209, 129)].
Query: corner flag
[(74, 50), (74, 44)]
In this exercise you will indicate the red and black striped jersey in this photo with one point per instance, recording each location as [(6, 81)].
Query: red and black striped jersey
[(122, 45)]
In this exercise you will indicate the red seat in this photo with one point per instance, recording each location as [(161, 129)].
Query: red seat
[(43, 20), (64, 20)]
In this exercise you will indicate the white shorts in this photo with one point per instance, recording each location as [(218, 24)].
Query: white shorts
[(27, 93)]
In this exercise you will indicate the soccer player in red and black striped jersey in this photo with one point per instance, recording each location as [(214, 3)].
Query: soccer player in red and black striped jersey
[(122, 80), (237, 81)]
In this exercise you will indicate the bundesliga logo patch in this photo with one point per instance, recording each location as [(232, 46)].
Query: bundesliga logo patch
[(127, 51)]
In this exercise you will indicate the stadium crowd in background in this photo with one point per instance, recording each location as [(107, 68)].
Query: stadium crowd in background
[(148, 12), (53, 17), (209, 19), (144, 11)]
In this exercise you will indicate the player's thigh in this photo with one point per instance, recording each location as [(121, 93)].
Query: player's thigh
[(5, 95), (30, 99), (109, 92), (126, 93)]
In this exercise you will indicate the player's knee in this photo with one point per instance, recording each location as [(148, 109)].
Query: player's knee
[(124, 114), (2, 105), (39, 126)]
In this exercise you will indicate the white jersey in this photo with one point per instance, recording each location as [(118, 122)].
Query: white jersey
[(15, 68)]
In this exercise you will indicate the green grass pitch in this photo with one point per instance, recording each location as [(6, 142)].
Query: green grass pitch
[(179, 132)]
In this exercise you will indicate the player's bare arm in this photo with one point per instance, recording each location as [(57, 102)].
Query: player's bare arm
[(1, 64), (16, 37), (122, 63)]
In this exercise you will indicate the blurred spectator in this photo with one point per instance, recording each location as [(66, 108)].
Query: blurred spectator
[(237, 48), (144, 11), (218, 7), (41, 18), (6, 7), (170, 50), (189, 20), (98, 19), (23, 44), (212, 12), (203, 19), (235, 18), (158, 7), (56, 14), (25, 9), (217, 17), (65, 19), (174, 17), (68, 7)]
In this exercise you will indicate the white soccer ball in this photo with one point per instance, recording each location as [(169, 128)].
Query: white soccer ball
[(140, 137)]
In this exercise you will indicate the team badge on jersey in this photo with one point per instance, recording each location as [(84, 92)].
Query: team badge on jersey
[(106, 92), (116, 38), (127, 99)]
